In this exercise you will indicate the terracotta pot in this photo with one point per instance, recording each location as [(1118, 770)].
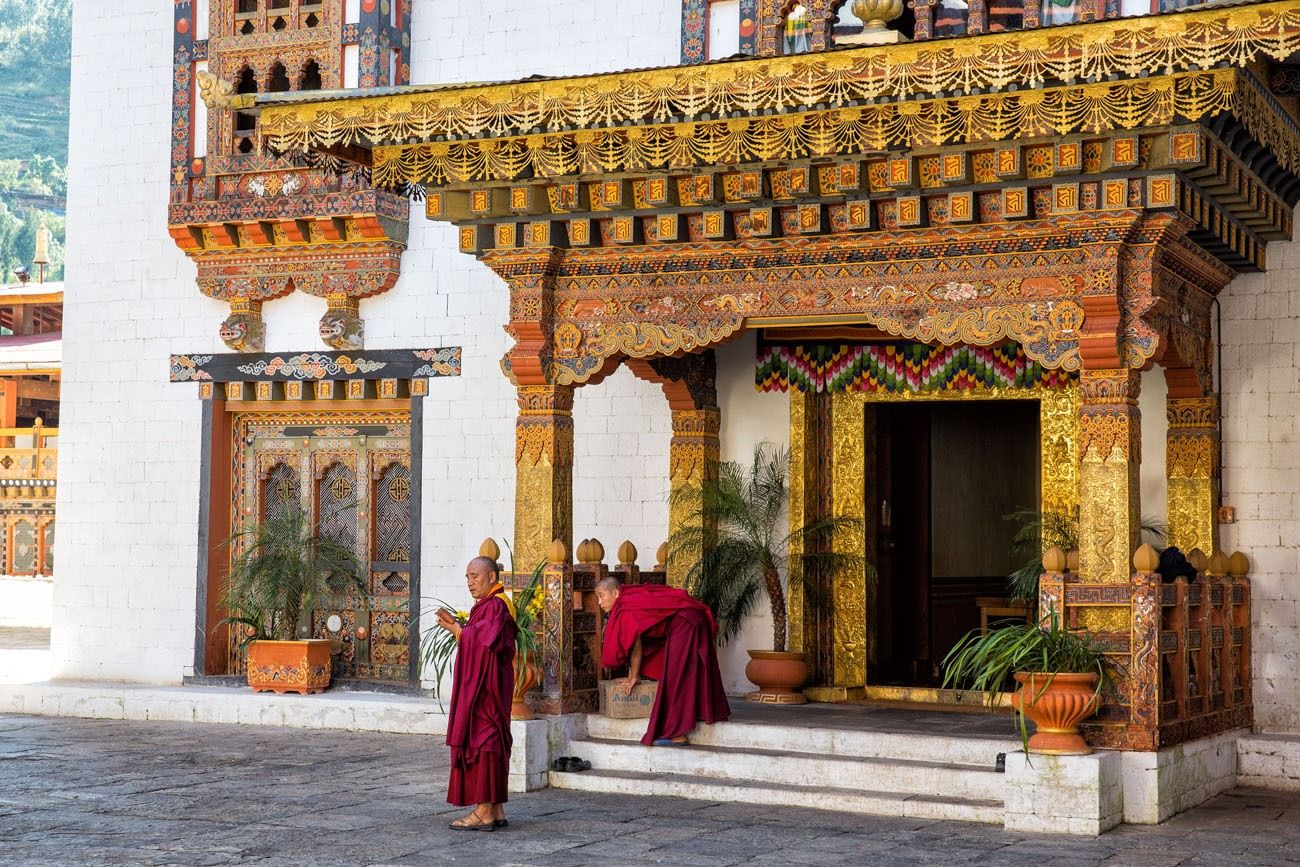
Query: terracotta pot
[(289, 666), (1056, 706), (778, 676), (526, 679)]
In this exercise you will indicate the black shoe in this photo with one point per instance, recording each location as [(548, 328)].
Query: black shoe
[(562, 764), (577, 765), (501, 823)]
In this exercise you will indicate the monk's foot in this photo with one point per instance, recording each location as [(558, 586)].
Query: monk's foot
[(475, 821), (499, 816)]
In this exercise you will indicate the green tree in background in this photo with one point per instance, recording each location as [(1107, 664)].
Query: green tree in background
[(35, 74), (18, 243)]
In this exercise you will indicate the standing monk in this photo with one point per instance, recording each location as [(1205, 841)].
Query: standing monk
[(664, 634), (483, 683)]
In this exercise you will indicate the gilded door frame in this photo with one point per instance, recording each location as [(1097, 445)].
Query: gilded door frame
[(1059, 491)]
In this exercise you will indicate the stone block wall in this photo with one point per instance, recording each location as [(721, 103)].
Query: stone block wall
[(1261, 470)]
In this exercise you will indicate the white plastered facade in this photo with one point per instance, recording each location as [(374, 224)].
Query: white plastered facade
[(129, 476)]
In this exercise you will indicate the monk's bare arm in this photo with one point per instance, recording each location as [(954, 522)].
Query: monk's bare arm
[(634, 668)]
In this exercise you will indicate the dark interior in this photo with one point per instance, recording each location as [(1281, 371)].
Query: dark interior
[(946, 474)]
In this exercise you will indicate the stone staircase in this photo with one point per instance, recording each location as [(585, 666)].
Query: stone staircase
[(925, 776)]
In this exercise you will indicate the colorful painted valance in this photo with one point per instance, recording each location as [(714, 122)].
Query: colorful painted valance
[(898, 367)]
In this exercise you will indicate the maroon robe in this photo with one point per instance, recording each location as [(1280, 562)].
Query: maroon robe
[(676, 633), (482, 686)]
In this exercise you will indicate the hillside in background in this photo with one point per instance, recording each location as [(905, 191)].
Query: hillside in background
[(35, 76)]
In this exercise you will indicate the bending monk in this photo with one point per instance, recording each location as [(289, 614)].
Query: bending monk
[(483, 683), (663, 634)]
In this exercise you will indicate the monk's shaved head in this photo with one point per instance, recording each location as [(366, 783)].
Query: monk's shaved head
[(607, 590), (481, 575), (486, 563)]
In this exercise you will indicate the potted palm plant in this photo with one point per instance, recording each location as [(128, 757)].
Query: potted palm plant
[(281, 567), (736, 551), (439, 646), (1061, 674)]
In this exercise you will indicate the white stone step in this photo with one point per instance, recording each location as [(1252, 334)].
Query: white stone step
[(978, 751), (781, 794), (863, 774)]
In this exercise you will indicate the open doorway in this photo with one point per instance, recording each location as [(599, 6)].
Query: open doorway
[(946, 473)]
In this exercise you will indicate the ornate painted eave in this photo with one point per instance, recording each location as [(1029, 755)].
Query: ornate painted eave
[(1081, 190), (1081, 78)]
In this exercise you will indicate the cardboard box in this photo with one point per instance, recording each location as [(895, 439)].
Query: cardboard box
[(616, 705)]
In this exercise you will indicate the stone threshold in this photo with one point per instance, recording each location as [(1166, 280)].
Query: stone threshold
[(342, 710)]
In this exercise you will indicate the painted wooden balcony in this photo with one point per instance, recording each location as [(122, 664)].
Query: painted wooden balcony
[(28, 474)]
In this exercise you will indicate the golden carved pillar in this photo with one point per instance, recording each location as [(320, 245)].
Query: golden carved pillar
[(802, 487), (543, 472), (692, 461), (1058, 425), (1191, 467), (848, 500), (828, 613), (1109, 455)]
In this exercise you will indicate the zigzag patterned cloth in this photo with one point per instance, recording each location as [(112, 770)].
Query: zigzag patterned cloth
[(899, 367)]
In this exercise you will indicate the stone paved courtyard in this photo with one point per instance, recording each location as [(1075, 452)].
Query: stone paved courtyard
[(82, 792)]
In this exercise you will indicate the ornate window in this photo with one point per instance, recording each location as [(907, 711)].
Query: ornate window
[(311, 79), (796, 30), (245, 123), (336, 505), (280, 492), (392, 529), (278, 80)]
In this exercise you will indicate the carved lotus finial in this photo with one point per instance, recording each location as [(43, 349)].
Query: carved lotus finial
[(874, 14)]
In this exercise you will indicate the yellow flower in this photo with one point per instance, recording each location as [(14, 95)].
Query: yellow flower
[(462, 617)]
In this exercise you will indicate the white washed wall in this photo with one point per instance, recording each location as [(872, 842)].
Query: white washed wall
[(1261, 472)]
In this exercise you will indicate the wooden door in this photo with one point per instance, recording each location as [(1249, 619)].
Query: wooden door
[(352, 471)]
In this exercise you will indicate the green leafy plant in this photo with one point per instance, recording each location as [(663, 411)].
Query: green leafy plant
[(1037, 531), (438, 646), (280, 568), (736, 550), (986, 661)]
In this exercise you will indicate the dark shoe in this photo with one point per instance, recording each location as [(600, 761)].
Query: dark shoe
[(501, 823), (577, 765), (561, 763)]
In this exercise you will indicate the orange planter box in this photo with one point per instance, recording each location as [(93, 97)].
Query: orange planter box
[(289, 666)]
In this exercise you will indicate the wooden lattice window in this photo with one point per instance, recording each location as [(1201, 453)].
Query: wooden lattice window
[(392, 510), (336, 505), (280, 492)]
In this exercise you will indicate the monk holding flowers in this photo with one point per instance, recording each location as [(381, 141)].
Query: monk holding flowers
[(664, 634), (483, 683)]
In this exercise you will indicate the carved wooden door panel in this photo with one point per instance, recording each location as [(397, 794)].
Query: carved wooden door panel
[(352, 471)]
